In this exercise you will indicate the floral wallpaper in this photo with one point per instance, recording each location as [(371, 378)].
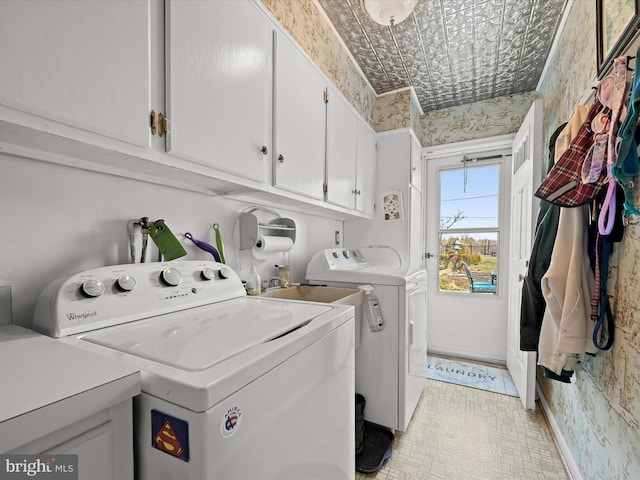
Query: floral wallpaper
[(393, 111), (304, 21), (497, 116), (599, 413)]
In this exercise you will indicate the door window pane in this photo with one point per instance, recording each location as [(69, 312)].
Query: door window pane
[(468, 262), (469, 197)]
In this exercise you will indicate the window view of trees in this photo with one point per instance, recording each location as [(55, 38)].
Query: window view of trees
[(469, 206), (479, 255)]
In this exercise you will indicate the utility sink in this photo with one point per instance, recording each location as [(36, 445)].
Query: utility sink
[(313, 293), (316, 293)]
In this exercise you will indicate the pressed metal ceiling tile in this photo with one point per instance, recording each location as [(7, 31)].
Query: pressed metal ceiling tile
[(452, 52)]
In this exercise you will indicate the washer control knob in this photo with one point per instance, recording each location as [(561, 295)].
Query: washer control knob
[(171, 276), (92, 288), (208, 273), (126, 283), (224, 273), (336, 255), (346, 254)]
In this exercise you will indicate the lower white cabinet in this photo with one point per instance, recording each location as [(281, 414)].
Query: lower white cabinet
[(103, 443), (59, 399), (416, 345)]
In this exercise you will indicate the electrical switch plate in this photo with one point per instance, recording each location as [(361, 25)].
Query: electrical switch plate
[(337, 237), (5, 305)]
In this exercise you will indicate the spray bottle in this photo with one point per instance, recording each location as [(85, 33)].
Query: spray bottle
[(253, 282), (372, 307)]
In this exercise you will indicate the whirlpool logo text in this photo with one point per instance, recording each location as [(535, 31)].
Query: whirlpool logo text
[(79, 317)]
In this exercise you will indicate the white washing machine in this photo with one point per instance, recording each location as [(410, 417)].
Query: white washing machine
[(233, 387), (390, 363)]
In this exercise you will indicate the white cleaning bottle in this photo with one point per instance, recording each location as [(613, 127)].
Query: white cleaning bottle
[(371, 306), (253, 282)]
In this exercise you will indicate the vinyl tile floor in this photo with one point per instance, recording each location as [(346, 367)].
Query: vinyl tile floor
[(462, 433)]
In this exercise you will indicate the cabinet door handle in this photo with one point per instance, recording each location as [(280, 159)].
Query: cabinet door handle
[(281, 158), (264, 150), (411, 325)]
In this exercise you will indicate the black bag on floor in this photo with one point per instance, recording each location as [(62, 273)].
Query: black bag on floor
[(360, 403)]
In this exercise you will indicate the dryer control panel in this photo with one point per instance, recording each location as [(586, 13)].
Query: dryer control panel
[(335, 258), (118, 294)]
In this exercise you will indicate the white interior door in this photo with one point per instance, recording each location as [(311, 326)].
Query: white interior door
[(467, 223), (526, 167)]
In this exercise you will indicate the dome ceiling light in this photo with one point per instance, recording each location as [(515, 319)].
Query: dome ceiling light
[(389, 12)]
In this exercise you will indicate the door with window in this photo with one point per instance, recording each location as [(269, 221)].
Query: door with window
[(467, 238)]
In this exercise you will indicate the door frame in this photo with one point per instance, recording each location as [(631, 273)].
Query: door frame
[(435, 345)]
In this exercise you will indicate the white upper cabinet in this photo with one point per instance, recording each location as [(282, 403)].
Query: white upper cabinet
[(416, 230), (245, 106), (219, 74), (342, 143), (77, 70), (299, 122), (394, 174), (365, 169), (416, 164)]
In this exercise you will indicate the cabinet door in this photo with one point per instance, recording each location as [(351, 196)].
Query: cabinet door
[(416, 226), (416, 347), (79, 70), (416, 164), (341, 152), (219, 61), (366, 169), (299, 122)]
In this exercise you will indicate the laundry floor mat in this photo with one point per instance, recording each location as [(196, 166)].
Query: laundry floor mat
[(473, 375)]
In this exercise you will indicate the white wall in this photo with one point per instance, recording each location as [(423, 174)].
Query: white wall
[(56, 221)]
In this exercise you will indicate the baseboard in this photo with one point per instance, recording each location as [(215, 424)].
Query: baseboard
[(569, 463)]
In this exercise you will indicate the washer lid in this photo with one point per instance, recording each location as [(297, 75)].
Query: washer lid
[(199, 338)]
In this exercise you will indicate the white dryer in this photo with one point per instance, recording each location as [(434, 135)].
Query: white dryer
[(391, 363), (233, 387)]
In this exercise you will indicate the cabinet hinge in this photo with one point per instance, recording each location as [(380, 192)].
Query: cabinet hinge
[(325, 188), (326, 97), (158, 124)]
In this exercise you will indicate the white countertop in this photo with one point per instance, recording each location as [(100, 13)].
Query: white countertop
[(41, 373)]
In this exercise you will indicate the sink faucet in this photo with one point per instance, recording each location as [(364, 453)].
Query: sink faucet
[(278, 282)]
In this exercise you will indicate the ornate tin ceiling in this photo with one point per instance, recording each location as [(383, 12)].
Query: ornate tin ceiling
[(453, 52)]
